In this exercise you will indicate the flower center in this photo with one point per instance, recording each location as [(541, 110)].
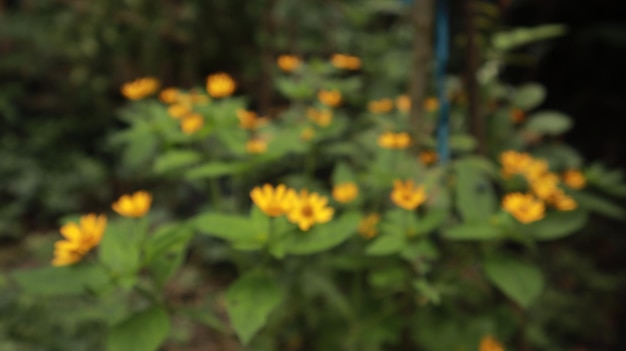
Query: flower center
[(307, 211)]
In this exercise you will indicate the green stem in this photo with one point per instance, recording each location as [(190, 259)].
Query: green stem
[(216, 196)]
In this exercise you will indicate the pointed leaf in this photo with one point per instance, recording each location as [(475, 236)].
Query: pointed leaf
[(249, 302), (520, 281), (145, 331)]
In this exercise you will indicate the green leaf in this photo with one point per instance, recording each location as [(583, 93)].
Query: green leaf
[(549, 122), (175, 159), (386, 245), (462, 143), (431, 220), (119, 248), (170, 237), (249, 302), (599, 205), (425, 289), (68, 280), (145, 331), (557, 225), (473, 231), (476, 199), (421, 250), (389, 278), (529, 96), (323, 236), (342, 174), (239, 230), (520, 281), (215, 169)]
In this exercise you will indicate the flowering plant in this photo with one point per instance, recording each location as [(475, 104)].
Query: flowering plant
[(334, 213)]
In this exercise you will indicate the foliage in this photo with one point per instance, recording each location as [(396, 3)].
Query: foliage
[(448, 259)]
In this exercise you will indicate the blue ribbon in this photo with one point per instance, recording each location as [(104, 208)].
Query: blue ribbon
[(442, 39)]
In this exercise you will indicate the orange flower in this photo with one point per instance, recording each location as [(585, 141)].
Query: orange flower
[(345, 192), (272, 201), (368, 226), (545, 185), (178, 110), (220, 85), (135, 205), (428, 157), (524, 207), (331, 98), (517, 115), (514, 162), (574, 179), (169, 95), (140, 88), (288, 63), (488, 343), (403, 103), (309, 209), (561, 201), (348, 62), (79, 239), (391, 140), (407, 195), (536, 169), (380, 106), (256, 146), (323, 118), (431, 104), (192, 123), (250, 120)]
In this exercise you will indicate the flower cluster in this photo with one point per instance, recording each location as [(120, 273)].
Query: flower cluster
[(322, 117), (330, 98), (304, 209), (140, 88), (544, 186), (250, 120), (380, 106), (368, 227), (391, 140), (83, 236), (181, 108), (345, 192), (347, 62)]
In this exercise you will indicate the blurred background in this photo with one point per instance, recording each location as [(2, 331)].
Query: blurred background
[(62, 63)]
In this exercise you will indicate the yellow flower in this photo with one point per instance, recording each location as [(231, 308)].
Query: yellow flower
[(250, 120), (368, 226), (169, 95), (403, 103), (272, 201), (517, 115), (79, 239), (192, 123), (514, 162), (330, 98), (307, 134), (488, 343), (220, 85), (288, 63), (391, 140), (342, 61), (135, 205), (310, 209), (323, 118), (256, 146), (561, 201), (178, 110), (574, 179), (407, 195), (524, 207), (545, 185), (345, 192), (431, 104), (536, 169), (428, 157), (198, 98), (140, 88), (380, 106)]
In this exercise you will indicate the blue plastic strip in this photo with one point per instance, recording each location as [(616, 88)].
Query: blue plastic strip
[(442, 40)]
